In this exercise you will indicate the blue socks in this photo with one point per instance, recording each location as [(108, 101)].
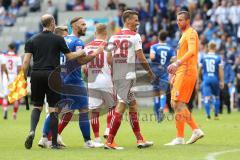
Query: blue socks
[(84, 125), (216, 103), (163, 100), (159, 105), (207, 107), (46, 126)]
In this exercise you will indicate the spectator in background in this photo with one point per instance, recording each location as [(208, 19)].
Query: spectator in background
[(52, 9), (79, 5), (198, 23), (6, 3), (231, 54), (155, 26), (234, 13), (222, 49), (211, 13), (216, 40), (230, 43), (208, 32), (153, 41), (228, 81), (34, 5), (13, 9), (2, 10), (23, 10), (144, 41), (142, 11), (222, 13), (111, 5), (203, 39), (8, 19), (161, 8), (96, 5)]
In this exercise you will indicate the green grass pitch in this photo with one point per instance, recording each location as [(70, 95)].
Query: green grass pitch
[(222, 140)]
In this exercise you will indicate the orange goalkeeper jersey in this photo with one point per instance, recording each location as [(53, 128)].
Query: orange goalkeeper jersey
[(187, 51)]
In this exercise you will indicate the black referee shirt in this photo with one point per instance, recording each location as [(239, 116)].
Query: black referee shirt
[(46, 48)]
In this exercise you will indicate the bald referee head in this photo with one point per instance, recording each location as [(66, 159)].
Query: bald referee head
[(48, 22)]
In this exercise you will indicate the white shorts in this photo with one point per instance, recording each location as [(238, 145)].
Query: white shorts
[(124, 90), (6, 83), (98, 97)]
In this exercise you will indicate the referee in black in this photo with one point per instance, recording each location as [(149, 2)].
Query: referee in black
[(45, 49)]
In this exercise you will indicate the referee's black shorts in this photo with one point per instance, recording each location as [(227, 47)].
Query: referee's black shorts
[(40, 88)]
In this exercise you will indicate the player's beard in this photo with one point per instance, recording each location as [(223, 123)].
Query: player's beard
[(81, 33)]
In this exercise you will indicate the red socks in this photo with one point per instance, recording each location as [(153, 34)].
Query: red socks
[(114, 125), (109, 116), (133, 116), (95, 123), (64, 121)]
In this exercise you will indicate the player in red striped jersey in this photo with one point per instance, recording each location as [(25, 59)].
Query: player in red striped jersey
[(127, 45), (100, 85)]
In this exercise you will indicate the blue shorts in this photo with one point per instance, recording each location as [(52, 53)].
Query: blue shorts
[(210, 88), (160, 84), (75, 95)]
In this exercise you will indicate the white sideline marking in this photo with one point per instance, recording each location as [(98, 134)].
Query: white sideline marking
[(213, 155)]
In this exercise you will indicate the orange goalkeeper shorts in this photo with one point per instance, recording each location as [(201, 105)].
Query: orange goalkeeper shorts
[(183, 86)]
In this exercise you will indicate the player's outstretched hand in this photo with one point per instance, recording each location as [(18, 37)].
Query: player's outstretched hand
[(172, 68)]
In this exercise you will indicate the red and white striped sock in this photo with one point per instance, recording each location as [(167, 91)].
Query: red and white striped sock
[(95, 123)]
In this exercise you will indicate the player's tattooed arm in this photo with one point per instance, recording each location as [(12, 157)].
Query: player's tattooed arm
[(26, 62)]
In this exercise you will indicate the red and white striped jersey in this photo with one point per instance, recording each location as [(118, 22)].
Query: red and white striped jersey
[(12, 63), (99, 72), (125, 44)]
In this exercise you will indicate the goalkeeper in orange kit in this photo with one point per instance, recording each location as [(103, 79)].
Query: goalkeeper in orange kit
[(185, 73)]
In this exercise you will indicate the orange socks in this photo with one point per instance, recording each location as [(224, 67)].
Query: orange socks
[(181, 118), (190, 120), (180, 122)]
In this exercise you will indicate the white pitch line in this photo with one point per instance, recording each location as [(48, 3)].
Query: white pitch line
[(212, 156)]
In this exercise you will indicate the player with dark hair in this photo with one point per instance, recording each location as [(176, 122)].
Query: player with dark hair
[(161, 56), (127, 45)]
